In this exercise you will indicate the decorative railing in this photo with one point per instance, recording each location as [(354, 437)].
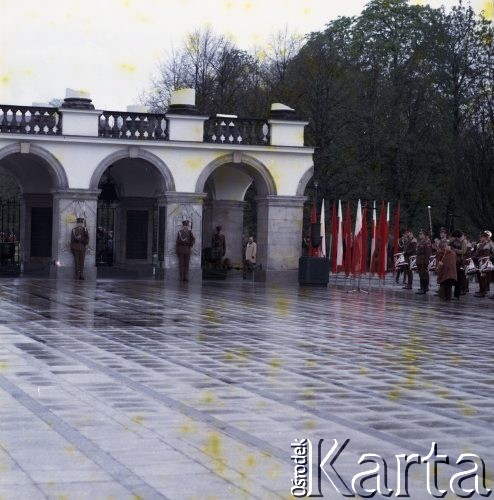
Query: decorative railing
[(30, 120), (123, 125), (236, 131)]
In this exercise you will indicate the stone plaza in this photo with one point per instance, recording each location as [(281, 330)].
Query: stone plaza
[(153, 389)]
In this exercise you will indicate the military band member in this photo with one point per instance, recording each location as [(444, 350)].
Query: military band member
[(410, 250), (458, 244), (424, 251), (446, 270), (485, 248), (443, 236), (184, 244), (79, 239), (399, 269)]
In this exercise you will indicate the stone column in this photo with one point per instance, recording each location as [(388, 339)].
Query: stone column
[(179, 207), (279, 236), (229, 215), (67, 206)]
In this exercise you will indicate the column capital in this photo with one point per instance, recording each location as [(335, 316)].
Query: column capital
[(177, 197), (76, 194), (281, 201)]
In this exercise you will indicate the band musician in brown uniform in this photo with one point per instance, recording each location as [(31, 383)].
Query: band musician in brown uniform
[(485, 248), (79, 239), (185, 242), (424, 251), (409, 250)]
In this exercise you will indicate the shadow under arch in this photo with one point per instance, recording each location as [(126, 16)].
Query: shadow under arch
[(143, 155), (261, 175), (304, 180), (55, 168)]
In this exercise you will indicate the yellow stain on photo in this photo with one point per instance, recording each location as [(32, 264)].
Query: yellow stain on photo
[(488, 9), (127, 68)]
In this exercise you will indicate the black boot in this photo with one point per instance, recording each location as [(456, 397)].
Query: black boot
[(423, 288)]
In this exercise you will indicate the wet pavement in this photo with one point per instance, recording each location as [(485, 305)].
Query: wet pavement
[(135, 389)]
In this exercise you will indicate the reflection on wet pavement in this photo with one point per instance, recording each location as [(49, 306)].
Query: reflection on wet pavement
[(134, 388)]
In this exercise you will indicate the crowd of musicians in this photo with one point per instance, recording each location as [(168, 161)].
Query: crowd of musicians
[(454, 259)]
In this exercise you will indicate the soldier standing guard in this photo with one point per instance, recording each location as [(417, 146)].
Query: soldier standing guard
[(458, 244), (424, 250), (185, 242), (79, 239), (218, 247)]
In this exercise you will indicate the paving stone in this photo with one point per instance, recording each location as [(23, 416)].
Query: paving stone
[(122, 388)]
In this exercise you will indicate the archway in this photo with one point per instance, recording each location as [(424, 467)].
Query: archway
[(233, 186), (130, 216), (28, 175)]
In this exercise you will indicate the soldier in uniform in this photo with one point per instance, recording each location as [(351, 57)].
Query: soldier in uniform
[(409, 250), (458, 244), (250, 256), (79, 239), (218, 248), (446, 270), (424, 251), (185, 242), (485, 248)]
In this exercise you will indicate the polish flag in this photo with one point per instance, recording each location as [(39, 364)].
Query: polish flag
[(339, 243), (363, 266), (348, 241), (373, 241), (381, 231), (323, 232), (357, 242), (334, 238)]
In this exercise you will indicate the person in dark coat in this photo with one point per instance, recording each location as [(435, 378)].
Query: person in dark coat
[(446, 270), (458, 244), (424, 251), (410, 250), (79, 239), (184, 244), (218, 248)]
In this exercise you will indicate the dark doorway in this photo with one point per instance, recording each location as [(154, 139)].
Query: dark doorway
[(137, 234), (41, 231)]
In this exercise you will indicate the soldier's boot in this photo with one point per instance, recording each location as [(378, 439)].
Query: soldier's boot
[(423, 287)]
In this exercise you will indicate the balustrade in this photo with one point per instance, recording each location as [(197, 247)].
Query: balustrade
[(30, 120), (237, 131), (123, 125)]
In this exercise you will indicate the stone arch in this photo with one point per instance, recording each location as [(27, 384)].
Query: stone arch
[(159, 164), (55, 168), (254, 167), (304, 180)]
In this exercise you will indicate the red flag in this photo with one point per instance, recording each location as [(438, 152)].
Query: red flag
[(381, 231), (348, 241), (396, 233), (357, 243), (363, 267), (373, 254), (334, 238)]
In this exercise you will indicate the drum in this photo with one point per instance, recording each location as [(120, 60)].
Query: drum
[(432, 264), (470, 267), (413, 263), (400, 261), (485, 265)]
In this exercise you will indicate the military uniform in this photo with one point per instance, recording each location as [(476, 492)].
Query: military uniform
[(424, 251), (459, 246), (409, 251), (184, 244), (79, 239), (218, 247), (485, 248)]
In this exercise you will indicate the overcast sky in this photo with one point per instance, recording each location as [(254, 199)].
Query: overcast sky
[(111, 47)]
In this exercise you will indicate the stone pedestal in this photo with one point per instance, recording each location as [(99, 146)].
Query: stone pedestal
[(67, 206), (179, 207), (230, 216), (279, 237)]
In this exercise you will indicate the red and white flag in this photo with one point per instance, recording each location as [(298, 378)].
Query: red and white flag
[(334, 238), (357, 243), (339, 244), (373, 240)]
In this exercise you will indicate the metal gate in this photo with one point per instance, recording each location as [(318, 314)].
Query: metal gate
[(9, 237), (105, 234)]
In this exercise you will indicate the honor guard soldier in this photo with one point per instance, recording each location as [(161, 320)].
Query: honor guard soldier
[(185, 242), (218, 247), (79, 239), (424, 251)]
